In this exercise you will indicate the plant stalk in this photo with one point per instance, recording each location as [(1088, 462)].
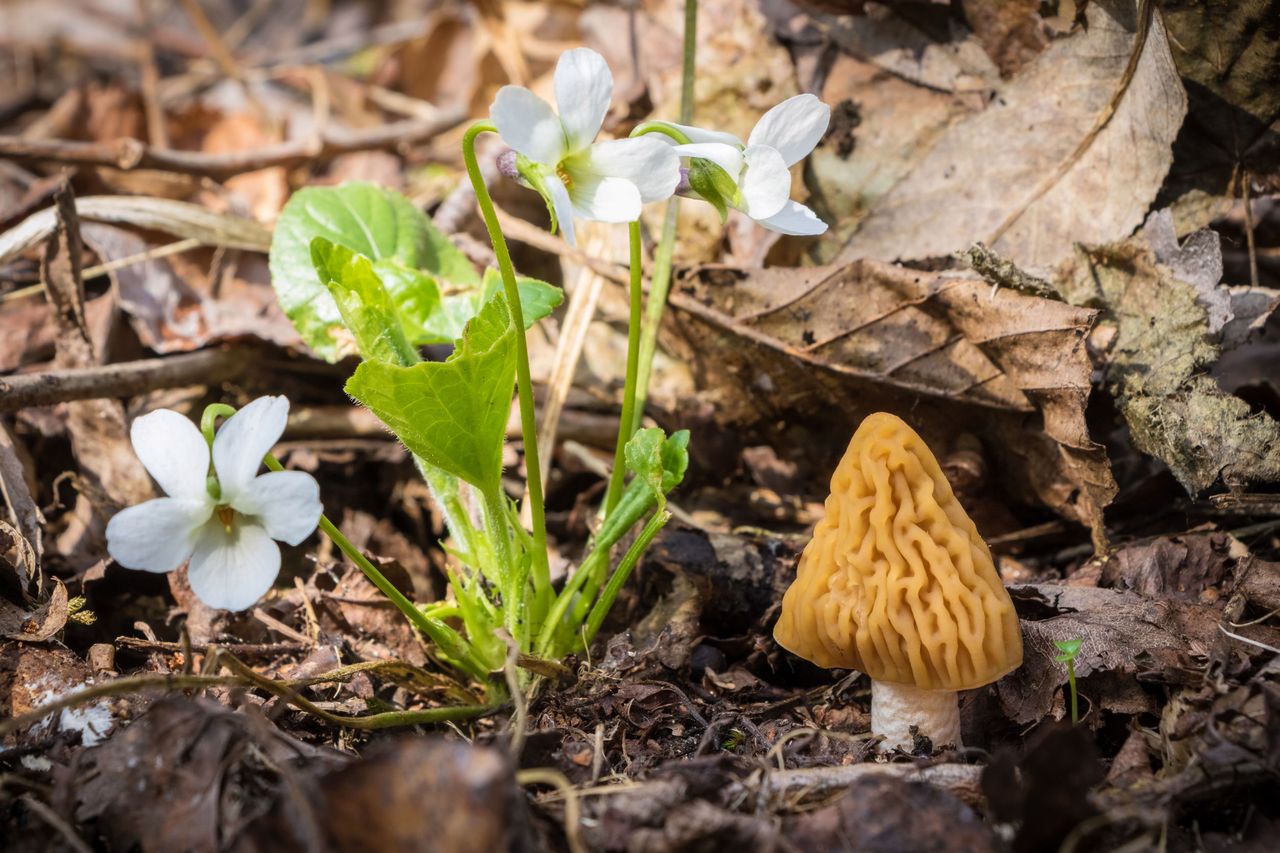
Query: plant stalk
[(627, 422), (660, 282), (524, 382)]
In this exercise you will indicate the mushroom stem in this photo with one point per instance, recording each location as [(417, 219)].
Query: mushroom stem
[(895, 708)]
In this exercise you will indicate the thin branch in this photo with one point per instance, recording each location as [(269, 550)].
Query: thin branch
[(129, 154), (203, 367)]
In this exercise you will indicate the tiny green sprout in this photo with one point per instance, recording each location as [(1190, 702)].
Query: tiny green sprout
[(733, 740), (1069, 650), (79, 612)]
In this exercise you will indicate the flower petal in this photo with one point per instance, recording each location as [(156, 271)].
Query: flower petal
[(158, 535), (231, 571), (286, 503), (652, 167), (727, 157), (697, 135), (174, 452), (529, 125), (584, 86), (564, 208), (244, 439), (605, 198), (793, 127), (796, 219), (765, 184)]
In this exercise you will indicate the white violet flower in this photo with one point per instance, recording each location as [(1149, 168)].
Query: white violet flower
[(604, 181), (761, 169), (223, 525)]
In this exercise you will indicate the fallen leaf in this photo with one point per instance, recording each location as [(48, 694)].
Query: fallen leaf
[(829, 345), (1155, 368), (38, 625), (410, 794), (1124, 635), (881, 814), (1072, 150), (1010, 31)]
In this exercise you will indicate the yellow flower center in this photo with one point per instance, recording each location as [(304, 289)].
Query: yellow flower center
[(563, 174), (226, 515)]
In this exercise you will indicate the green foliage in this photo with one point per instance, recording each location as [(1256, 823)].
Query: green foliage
[(453, 413), (382, 225), (713, 183), (1068, 650), (363, 303)]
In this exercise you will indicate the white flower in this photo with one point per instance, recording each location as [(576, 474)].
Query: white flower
[(605, 181), (760, 170), (228, 539)]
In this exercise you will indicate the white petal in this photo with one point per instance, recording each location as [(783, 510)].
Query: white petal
[(230, 571), (528, 124), (605, 199), (584, 86), (244, 439), (727, 157), (156, 536), (652, 167), (765, 184), (795, 219), (793, 127), (564, 208), (697, 135), (173, 451), (286, 503)]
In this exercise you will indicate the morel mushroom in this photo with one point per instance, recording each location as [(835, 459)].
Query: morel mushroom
[(898, 584)]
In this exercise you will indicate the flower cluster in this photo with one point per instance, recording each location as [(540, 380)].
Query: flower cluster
[(557, 155), (224, 524)]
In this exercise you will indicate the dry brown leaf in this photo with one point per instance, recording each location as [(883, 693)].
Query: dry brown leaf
[(1010, 31), (1125, 635), (832, 344), (1073, 150), (39, 625), (881, 127)]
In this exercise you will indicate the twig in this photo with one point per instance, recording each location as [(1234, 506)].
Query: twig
[(572, 806), (203, 367), (247, 649), (129, 154), (59, 825)]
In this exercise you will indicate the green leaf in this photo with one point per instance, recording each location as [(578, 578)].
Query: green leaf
[(380, 224), (453, 413), (713, 184), (1069, 649), (416, 295), (643, 455), (639, 496), (537, 299), (363, 302)]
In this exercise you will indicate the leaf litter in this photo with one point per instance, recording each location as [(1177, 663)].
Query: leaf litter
[(1084, 200)]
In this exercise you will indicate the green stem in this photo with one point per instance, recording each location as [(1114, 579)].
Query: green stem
[(660, 282), (620, 575), (448, 640), (626, 424), (1071, 677), (524, 383)]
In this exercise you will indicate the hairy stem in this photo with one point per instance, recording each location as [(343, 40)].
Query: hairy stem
[(524, 383)]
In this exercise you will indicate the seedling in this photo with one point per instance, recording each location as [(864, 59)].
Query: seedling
[(1069, 649)]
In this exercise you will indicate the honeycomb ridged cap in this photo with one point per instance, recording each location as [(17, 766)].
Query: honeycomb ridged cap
[(896, 581)]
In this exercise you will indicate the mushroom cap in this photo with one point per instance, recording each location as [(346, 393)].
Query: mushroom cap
[(896, 581)]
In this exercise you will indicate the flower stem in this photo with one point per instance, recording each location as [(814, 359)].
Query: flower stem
[(524, 383), (627, 422), (448, 640), (660, 282)]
